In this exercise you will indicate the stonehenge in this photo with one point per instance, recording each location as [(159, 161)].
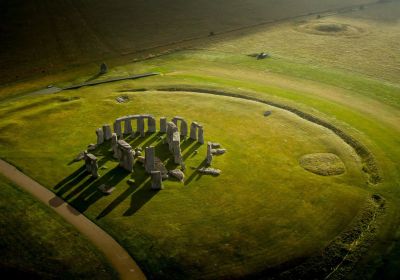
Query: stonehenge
[(209, 171), (114, 145), (125, 155), (100, 136), (140, 125), (149, 159), (211, 151), (183, 126), (156, 180), (107, 132), (163, 125), (175, 129), (209, 154), (91, 165), (178, 174), (174, 142), (197, 132)]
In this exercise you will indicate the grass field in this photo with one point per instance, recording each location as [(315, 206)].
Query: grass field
[(42, 37), (264, 213), (37, 244)]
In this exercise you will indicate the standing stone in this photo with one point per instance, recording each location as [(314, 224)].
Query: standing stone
[(91, 165), (117, 128), (126, 155), (151, 124), (100, 136), (193, 131), (103, 68), (114, 145), (201, 135), (184, 128), (156, 180), (209, 153), (140, 126), (163, 125), (107, 131), (128, 126), (171, 129), (149, 160), (176, 148)]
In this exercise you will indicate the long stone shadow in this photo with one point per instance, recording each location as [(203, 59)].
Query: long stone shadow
[(196, 173), (141, 178), (69, 178), (88, 196), (81, 190)]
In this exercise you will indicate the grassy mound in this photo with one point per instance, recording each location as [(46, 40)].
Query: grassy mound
[(330, 28), (324, 164)]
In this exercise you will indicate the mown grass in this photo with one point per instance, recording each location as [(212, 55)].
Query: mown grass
[(232, 224), (37, 244), (264, 209)]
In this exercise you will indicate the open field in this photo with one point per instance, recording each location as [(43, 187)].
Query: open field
[(41, 37), (37, 244), (265, 214)]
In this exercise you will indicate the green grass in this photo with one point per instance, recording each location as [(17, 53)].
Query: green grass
[(37, 244), (265, 209), (233, 222)]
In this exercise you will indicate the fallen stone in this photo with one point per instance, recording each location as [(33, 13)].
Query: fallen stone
[(218, 151), (267, 113), (80, 156), (178, 174), (209, 171), (122, 99), (106, 189), (215, 145), (159, 166), (91, 147), (140, 159)]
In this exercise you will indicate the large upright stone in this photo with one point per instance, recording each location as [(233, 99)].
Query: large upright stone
[(209, 154), (184, 129), (140, 126), (193, 131), (151, 124), (200, 137), (100, 136), (91, 165), (183, 126), (149, 160), (156, 180), (176, 148), (126, 155), (171, 129), (117, 128), (128, 126), (107, 131), (114, 145), (163, 125)]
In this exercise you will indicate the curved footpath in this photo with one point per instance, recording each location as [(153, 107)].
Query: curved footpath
[(117, 256)]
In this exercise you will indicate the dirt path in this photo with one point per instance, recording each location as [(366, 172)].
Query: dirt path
[(117, 256)]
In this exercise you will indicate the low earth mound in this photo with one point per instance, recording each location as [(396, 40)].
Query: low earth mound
[(330, 28), (324, 164)]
